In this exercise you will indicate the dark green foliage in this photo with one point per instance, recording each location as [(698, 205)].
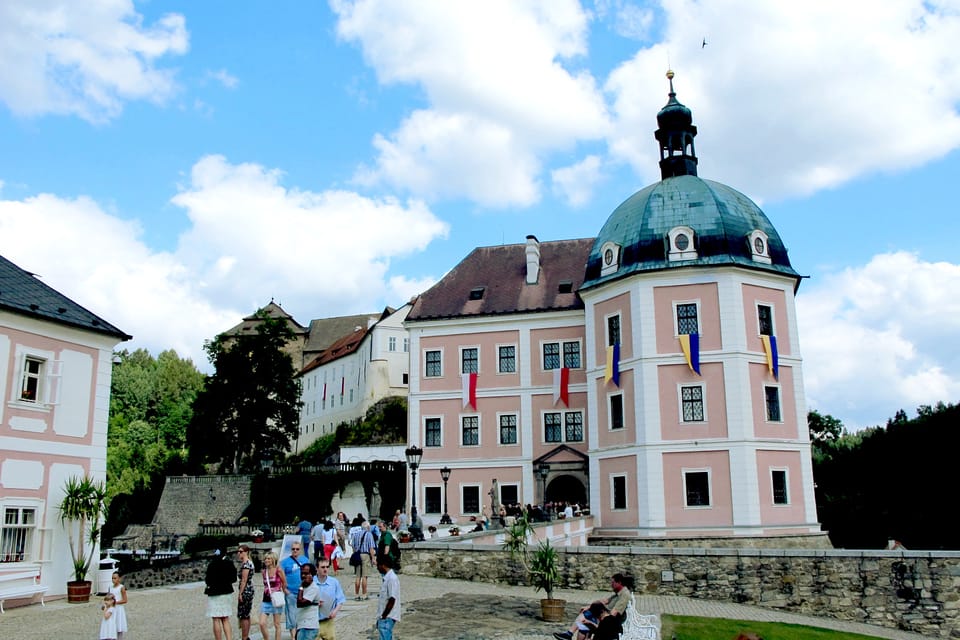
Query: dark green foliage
[(249, 409), (695, 628), (887, 482), (385, 423), (150, 405)]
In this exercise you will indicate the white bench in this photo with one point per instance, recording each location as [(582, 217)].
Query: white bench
[(24, 584), (639, 627)]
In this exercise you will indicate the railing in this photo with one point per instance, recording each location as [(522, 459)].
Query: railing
[(238, 479)]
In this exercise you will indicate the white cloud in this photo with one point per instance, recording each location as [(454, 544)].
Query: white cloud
[(577, 182), (881, 337), (628, 20), (794, 97), (83, 58), (498, 67), (250, 239), (224, 77)]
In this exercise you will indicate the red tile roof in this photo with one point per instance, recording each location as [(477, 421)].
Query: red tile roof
[(501, 272)]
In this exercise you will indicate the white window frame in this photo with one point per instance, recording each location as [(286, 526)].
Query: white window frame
[(773, 321), (31, 537), (463, 507), (474, 347), (391, 343), (479, 429), (759, 256), (786, 486), (515, 485), (406, 345), (516, 426), (614, 265), (703, 400), (560, 350), (623, 412), (613, 492), (516, 364), (674, 253), (439, 488), (676, 320), (425, 352), (583, 425), (543, 428), (425, 418), (563, 426), (710, 500), (766, 411)]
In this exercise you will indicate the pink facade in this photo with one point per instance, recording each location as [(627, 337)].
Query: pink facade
[(55, 377)]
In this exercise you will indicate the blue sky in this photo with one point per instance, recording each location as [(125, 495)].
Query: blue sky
[(174, 165)]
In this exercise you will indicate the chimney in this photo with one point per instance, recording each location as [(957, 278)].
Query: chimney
[(533, 259)]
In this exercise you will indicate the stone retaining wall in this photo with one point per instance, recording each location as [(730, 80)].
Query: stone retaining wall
[(913, 591)]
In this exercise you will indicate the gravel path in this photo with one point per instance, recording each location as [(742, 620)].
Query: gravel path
[(432, 608)]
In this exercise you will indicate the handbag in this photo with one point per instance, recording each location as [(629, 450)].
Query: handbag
[(355, 559), (277, 599)]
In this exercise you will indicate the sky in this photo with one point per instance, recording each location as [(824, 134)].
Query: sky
[(175, 165)]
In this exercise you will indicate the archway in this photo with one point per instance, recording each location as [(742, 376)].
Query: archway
[(566, 488)]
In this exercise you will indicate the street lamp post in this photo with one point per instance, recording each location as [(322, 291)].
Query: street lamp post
[(543, 470), (414, 455), (266, 465), (445, 476)]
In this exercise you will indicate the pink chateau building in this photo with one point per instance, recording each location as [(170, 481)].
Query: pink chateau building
[(55, 370), (652, 373)]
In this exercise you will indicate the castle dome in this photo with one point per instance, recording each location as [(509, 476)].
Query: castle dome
[(683, 220)]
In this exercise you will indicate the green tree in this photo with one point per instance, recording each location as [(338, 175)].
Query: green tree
[(249, 408)]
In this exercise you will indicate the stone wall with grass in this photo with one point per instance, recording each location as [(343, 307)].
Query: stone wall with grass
[(909, 590)]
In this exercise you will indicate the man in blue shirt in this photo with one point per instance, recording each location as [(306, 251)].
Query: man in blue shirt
[(331, 599), (291, 571)]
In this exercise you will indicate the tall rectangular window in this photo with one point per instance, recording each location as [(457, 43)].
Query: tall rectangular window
[(696, 485), (616, 411), (619, 491), (772, 401), (692, 402), (613, 330), (571, 355), (469, 360), (508, 429), (432, 368), (765, 319), (507, 359), (470, 429), (406, 345), (30, 382), (551, 428), (16, 536), (779, 479), (432, 432), (687, 319), (432, 497), (551, 355), (392, 343), (471, 499), (509, 494), (574, 425)]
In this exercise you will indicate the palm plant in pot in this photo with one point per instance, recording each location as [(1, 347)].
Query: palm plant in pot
[(81, 513), (541, 565)]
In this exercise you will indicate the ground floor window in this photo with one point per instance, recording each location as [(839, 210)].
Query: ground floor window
[(431, 499), (471, 499), (17, 534), (779, 479), (509, 494), (696, 485), (618, 486)]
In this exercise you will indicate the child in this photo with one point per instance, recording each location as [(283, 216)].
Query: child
[(108, 626), (589, 618), (120, 597), (335, 556)]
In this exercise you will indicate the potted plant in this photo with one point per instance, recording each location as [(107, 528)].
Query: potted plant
[(454, 531), (541, 565), (257, 535), (81, 512)]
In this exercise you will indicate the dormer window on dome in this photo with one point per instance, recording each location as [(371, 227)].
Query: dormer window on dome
[(610, 255), (681, 244), (759, 249)]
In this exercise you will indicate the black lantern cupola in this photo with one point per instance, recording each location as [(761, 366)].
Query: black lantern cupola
[(675, 135)]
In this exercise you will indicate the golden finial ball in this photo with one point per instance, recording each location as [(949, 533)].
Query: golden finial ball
[(670, 74)]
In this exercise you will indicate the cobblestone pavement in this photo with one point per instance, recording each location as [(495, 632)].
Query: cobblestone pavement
[(432, 608)]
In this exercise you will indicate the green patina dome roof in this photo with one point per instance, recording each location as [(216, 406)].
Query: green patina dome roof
[(721, 217)]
